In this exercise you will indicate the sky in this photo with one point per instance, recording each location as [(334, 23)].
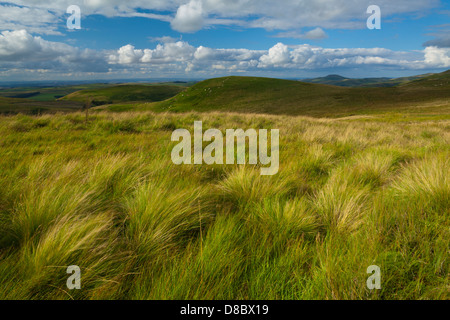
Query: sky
[(199, 39)]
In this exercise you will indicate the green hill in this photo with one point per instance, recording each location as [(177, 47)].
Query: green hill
[(39, 93), (126, 93), (26, 106), (337, 80), (275, 96), (437, 81)]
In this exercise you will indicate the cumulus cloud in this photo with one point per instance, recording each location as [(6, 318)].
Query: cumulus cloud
[(21, 50), (163, 53), (278, 55), (437, 57), (181, 55), (20, 45), (189, 17)]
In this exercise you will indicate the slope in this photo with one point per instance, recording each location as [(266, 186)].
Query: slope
[(126, 93), (275, 96)]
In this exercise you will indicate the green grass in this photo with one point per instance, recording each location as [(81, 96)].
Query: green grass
[(126, 93), (104, 195), (72, 98), (275, 96), (27, 106), (47, 93), (337, 80)]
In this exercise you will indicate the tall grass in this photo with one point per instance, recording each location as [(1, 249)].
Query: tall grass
[(104, 195)]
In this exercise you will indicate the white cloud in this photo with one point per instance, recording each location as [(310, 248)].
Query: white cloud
[(192, 15), (189, 17), (437, 57), (314, 34), (278, 55), (21, 50), (20, 45), (127, 55), (163, 53), (35, 20)]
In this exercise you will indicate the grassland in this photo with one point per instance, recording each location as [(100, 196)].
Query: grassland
[(48, 93), (126, 93), (28, 106), (104, 195), (28, 100), (337, 80), (274, 96)]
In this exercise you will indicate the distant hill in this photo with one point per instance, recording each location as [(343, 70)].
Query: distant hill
[(126, 93), (439, 80), (275, 96), (26, 106), (337, 80)]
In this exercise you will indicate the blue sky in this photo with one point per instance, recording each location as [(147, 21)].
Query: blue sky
[(189, 39)]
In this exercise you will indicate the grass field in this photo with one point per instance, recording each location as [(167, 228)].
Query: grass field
[(13, 106), (126, 93), (37, 100), (48, 93), (104, 195), (274, 96)]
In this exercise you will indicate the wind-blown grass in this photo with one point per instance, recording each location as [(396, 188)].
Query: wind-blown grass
[(104, 195)]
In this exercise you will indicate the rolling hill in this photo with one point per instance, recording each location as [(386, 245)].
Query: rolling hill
[(337, 80), (275, 96), (47, 93), (26, 106), (126, 93)]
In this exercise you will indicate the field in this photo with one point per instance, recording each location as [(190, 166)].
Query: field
[(48, 93), (126, 93), (430, 95), (103, 194), (39, 100)]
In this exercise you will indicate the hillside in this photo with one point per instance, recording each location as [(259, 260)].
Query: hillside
[(337, 80), (16, 105), (274, 96), (47, 93), (126, 93), (437, 81)]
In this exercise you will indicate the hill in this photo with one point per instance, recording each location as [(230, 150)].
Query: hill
[(337, 80), (16, 105), (47, 93), (275, 96), (126, 93)]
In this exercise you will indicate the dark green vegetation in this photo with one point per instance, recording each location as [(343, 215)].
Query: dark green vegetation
[(47, 93), (337, 80), (72, 98), (27, 106), (274, 96), (126, 93)]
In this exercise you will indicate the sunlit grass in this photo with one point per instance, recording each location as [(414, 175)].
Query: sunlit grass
[(104, 195)]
